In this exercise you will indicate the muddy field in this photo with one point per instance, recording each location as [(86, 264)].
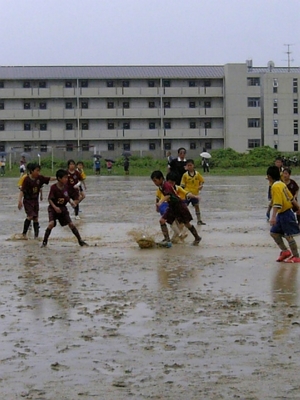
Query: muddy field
[(114, 322)]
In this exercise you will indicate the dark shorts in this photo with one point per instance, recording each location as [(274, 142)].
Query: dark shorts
[(63, 218), (73, 194), (31, 207), (286, 224), (193, 201), (177, 211)]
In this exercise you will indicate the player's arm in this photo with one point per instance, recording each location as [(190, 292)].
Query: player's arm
[(56, 209)]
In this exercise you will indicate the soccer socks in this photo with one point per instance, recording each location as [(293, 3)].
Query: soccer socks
[(293, 246), (36, 229), (193, 231), (77, 234), (26, 226), (279, 241), (76, 211), (46, 236), (165, 232)]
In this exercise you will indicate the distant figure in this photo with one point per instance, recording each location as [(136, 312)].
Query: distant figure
[(22, 166), (97, 165), (178, 164), (169, 159), (126, 166), (109, 165), (2, 166), (205, 165)]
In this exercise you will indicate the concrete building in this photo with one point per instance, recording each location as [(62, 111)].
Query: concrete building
[(147, 109)]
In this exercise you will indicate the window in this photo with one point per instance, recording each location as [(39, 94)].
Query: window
[(85, 146), (295, 105), (110, 125), (275, 89), (1, 84), (192, 83), (275, 82), (111, 146), (43, 148), (192, 104), (275, 126), (43, 106), (167, 104), (110, 104), (151, 125), (192, 146), (253, 81), (26, 84), (275, 106), (207, 146), (253, 102), (2, 128), (151, 146), (167, 125), (126, 125), (207, 83), (2, 105), (68, 84), (207, 125), (27, 106), (296, 146), (84, 84), (207, 104), (2, 147), (126, 104), (84, 104), (43, 126), (151, 104), (295, 127), (69, 147), (27, 148), (27, 126), (166, 83), (42, 84), (126, 147), (192, 125), (253, 122), (110, 83), (69, 126), (295, 85), (125, 83), (253, 143), (167, 146), (151, 84), (85, 126), (69, 105)]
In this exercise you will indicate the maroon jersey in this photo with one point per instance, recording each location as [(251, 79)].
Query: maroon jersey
[(293, 187), (168, 189), (60, 197), (73, 178), (177, 208), (31, 187)]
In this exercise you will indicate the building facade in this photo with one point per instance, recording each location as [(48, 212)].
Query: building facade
[(147, 109)]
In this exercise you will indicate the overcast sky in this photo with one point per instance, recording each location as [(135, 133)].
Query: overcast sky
[(149, 32)]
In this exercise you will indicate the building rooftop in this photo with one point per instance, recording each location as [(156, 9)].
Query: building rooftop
[(111, 72)]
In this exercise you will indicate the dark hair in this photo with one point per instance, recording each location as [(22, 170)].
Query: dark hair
[(288, 170), (278, 158), (157, 175), (274, 173), (190, 161), (80, 162), (71, 161), (181, 148), (172, 176), (32, 166), (61, 173)]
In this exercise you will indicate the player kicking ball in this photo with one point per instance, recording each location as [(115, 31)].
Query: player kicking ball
[(57, 209)]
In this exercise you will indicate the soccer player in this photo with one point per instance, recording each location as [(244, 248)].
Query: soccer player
[(282, 219), (74, 180), (29, 197), (57, 210), (192, 181), (176, 210)]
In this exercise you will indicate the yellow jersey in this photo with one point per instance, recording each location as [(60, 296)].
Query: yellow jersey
[(182, 193), (192, 183), (281, 197)]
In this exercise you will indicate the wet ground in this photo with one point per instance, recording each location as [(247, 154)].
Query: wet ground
[(112, 321)]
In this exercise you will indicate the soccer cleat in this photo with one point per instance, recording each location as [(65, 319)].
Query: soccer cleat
[(77, 217), (166, 244), (197, 241), (82, 243), (44, 244), (201, 223), (292, 259), (284, 254)]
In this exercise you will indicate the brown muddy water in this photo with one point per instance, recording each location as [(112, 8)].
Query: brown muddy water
[(112, 321)]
